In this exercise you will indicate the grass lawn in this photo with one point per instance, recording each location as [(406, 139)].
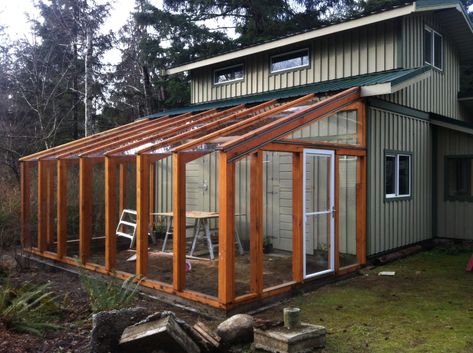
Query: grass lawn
[(426, 307)]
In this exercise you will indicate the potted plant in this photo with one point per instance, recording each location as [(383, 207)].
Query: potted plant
[(267, 245)]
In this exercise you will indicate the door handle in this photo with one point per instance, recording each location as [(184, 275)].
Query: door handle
[(333, 211)]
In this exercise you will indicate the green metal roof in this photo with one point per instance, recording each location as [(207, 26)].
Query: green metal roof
[(391, 76)]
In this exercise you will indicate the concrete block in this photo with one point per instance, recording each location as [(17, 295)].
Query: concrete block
[(305, 338)]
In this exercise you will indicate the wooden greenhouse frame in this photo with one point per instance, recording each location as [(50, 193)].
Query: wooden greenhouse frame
[(249, 131)]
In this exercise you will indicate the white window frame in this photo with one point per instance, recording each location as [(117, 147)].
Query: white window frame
[(397, 175), (431, 30), (287, 53), (226, 68)]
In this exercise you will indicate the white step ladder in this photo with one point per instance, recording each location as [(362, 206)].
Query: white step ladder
[(130, 224)]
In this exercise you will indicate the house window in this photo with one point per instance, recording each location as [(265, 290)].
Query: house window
[(397, 168), (433, 48), (292, 60), (229, 74), (458, 178)]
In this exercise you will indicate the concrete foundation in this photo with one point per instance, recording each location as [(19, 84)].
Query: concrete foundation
[(305, 338)]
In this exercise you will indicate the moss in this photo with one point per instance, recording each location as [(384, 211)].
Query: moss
[(426, 307)]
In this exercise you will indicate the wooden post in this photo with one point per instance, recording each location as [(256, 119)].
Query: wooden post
[(256, 222), (297, 217), (25, 205), (85, 213), (179, 215), (42, 205), (226, 231), (122, 199), (361, 210), (61, 208), (50, 204), (152, 191), (110, 213), (142, 216)]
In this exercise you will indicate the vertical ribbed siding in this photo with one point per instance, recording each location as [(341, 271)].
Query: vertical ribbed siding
[(359, 51), (438, 93), (392, 224), (454, 218)]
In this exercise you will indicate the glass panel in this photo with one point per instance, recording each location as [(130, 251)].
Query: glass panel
[(242, 226), (229, 74), (202, 224), (338, 128), (288, 61), (277, 211), (390, 175), (73, 208), (404, 175), (428, 46), (33, 226), (318, 225), (51, 208), (347, 213), (458, 181), (97, 245), (438, 50)]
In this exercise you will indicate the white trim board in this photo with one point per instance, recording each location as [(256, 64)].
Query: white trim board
[(389, 88)]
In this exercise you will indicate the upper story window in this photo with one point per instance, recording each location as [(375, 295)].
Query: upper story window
[(229, 74), (291, 60), (433, 48), (397, 169)]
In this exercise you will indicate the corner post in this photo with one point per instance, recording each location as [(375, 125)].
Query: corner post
[(110, 213), (25, 205), (179, 215), (142, 214), (226, 240), (85, 215)]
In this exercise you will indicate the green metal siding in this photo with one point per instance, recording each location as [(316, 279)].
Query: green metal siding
[(359, 51), (454, 218), (438, 93), (393, 224)]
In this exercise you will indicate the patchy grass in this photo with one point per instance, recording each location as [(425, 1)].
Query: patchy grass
[(426, 307)]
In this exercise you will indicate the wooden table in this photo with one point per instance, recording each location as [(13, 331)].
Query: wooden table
[(201, 219)]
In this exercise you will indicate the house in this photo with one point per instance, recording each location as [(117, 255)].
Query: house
[(297, 159)]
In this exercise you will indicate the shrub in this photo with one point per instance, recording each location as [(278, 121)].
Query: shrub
[(28, 308), (108, 295), (9, 214)]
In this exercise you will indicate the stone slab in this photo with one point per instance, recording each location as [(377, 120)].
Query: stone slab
[(305, 338), (164, 334)]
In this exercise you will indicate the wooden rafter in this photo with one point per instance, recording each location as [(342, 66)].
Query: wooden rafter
[(276, 129), (126, 141), (84, 140), (114, 136), (243, 123), (178, 130)]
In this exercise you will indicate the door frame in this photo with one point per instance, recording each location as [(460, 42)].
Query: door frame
[(332, 155)]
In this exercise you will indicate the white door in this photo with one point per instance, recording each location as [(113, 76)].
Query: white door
[(319, 212)]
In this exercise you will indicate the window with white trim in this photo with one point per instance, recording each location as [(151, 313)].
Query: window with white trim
[(292, 60), (229, 74), (433, 48), (397, 174)]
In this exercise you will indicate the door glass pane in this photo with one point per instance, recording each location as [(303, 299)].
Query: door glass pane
[(317, 187), (317, 233), (318, 226)]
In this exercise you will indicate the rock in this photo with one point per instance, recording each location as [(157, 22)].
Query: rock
[(8, 262), (236, 329), (108, 326), (165, 334)]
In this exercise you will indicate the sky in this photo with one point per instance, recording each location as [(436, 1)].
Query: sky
[(14, 15)]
